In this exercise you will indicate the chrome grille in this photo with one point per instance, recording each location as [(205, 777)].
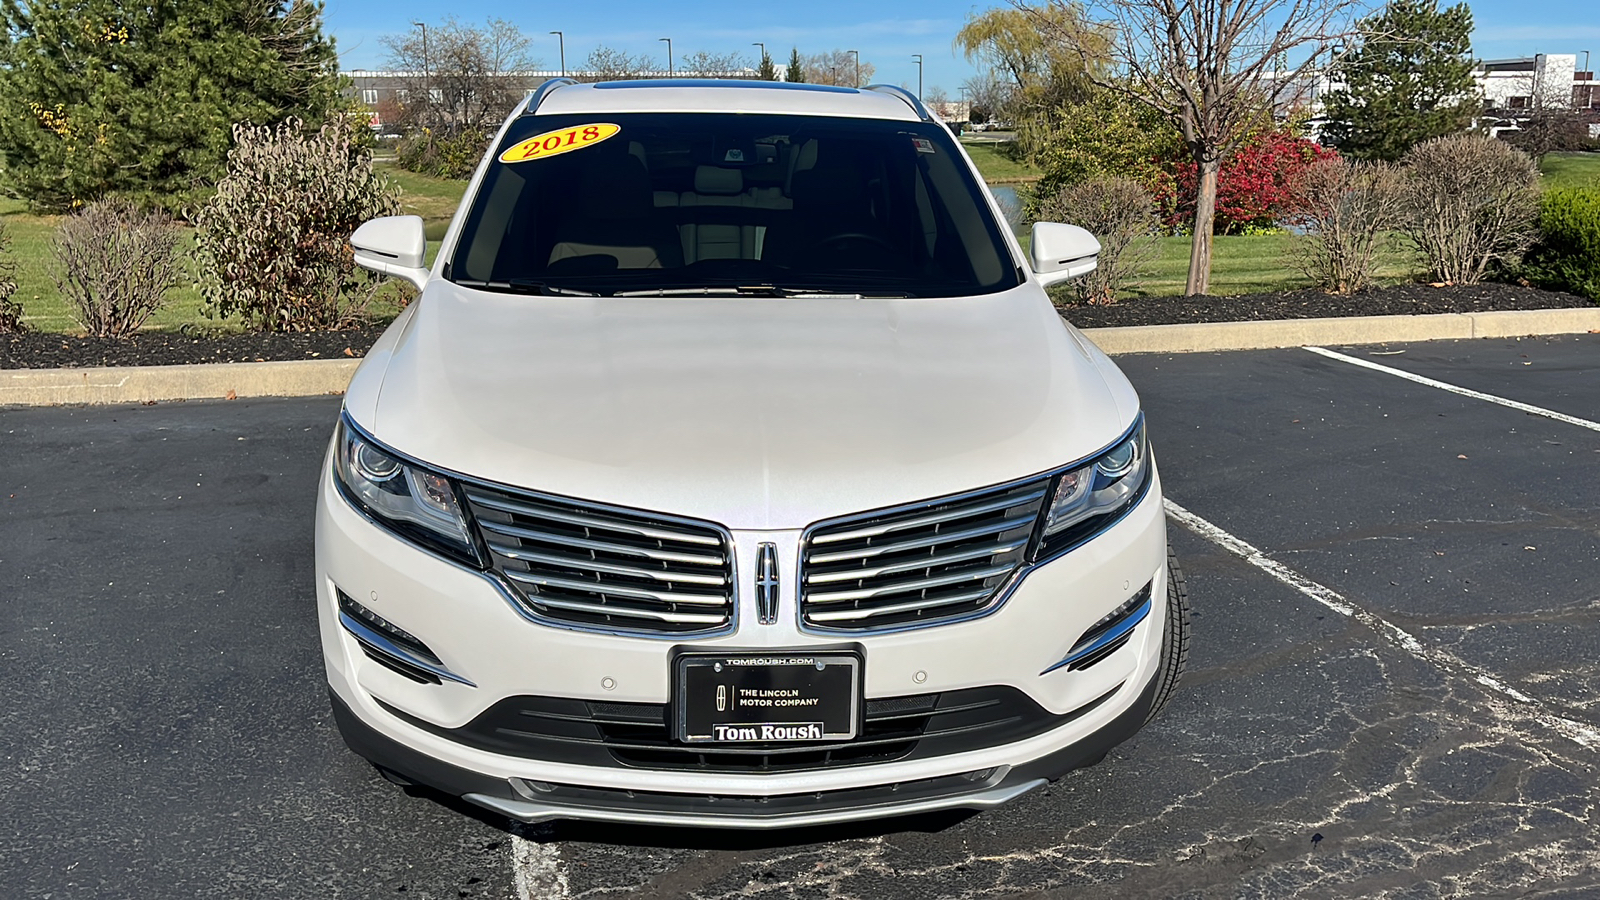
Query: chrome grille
[(607, 568), (932, 562)]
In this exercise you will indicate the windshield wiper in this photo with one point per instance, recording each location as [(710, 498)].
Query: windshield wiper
[(753, 290), (527, 286)]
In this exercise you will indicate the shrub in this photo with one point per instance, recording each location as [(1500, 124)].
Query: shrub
[(452, 155), (1567, 255), (1347, 209), (273, 243), (1254, 189), (114, 264), (1471, 201), (10, 310), (1121, 214)]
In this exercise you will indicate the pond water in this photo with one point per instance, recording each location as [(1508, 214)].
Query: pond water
[(1006, 195)]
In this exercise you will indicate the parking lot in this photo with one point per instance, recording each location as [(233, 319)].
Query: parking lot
[(1392, 690)]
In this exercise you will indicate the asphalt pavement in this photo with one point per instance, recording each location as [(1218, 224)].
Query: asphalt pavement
[(1392, 690)]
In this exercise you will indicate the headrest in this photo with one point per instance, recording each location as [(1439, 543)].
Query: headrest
[(717, 180)]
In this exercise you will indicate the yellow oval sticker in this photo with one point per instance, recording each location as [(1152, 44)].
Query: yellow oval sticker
[(555, 143)]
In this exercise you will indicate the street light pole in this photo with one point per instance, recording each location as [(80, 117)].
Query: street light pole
[(857, 55), (561, 40), (669, 55), (427, 95), (918, 58), (763, 56)]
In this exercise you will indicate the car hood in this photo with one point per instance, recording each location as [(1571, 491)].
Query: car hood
[(756, 413)]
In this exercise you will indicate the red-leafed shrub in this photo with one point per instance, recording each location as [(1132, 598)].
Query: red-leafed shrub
[(1255, 188)]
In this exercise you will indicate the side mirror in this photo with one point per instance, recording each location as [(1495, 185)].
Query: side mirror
[(392, 245), (1061, 252)]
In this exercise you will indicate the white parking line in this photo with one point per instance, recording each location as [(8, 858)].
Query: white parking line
[(1454, 389), (1579, 732), (536, 867)]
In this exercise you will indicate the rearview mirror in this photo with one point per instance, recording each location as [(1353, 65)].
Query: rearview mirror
[(1061, 252), (392, 245)]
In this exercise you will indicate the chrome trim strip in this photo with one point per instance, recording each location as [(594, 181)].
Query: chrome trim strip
[(901, 587), (551, 537), (948, 515), (943, 537), (569, 562), (851, 615), (592, 587), (623, 612), (560, 515), (381, 644), (533, 812), (1115, 633), (919, 563)]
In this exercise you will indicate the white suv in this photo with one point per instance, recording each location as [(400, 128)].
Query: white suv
[(733, 469)]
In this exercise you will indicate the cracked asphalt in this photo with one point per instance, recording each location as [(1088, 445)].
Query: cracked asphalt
[(167, 732)]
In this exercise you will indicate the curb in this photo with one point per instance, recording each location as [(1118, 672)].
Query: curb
[(308, 378), (144, 384), (1281, 333)]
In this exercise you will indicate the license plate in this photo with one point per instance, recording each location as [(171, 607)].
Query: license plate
[(768, 698)]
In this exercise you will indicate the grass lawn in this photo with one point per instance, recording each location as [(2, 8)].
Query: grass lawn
[(1249, 265), (996, 167), (434, 199), (1570, 169)]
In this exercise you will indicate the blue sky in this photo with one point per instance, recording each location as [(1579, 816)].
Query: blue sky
[(886, 32)]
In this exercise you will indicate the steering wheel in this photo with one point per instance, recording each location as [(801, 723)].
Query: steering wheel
[(858, 237)]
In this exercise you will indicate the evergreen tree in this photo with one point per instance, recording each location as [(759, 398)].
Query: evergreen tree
[(767, 71), (796, 73), (138, 99), (1408, 80)]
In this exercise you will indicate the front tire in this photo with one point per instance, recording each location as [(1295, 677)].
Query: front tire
[(1175, 641)]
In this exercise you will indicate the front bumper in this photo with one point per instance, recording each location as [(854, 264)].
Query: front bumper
[(479, 635)]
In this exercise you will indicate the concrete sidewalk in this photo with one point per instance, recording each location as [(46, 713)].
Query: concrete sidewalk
[(141, 384)]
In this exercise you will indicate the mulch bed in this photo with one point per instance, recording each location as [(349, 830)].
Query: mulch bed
[(1404, 299), (36, 350), (47, 351)]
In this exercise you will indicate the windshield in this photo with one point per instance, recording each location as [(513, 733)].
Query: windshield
[(730, 203)]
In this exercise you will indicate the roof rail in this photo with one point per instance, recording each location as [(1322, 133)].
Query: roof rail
[(910, 99), (543, 90)]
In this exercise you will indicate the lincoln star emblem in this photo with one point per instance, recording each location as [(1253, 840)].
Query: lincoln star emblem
[(767, 584)]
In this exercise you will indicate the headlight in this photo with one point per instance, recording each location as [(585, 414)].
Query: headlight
[(410, 500), (1092, 496)]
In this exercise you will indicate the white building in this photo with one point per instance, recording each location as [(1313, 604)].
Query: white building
[(1542, 81)]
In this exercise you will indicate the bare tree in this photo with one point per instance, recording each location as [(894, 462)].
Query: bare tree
[(837, 67), (701, 64), (987, 94), (506, 48), (1210, 67), (608, 64), (1548, 122), (460, 76)]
